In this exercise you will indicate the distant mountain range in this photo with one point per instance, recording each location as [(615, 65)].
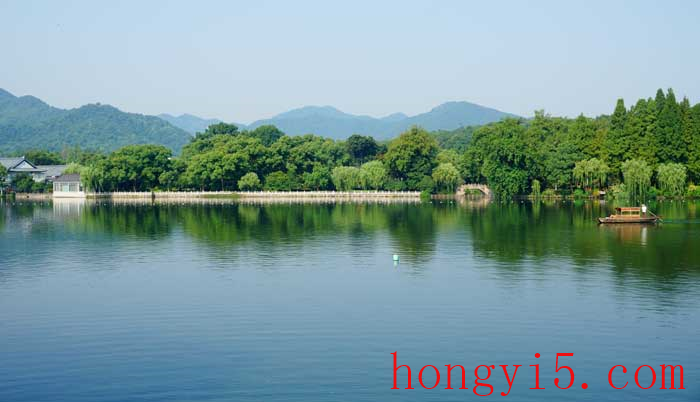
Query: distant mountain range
[(191, 124), (331, 122), (27, 122)]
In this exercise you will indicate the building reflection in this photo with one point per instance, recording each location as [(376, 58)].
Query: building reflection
[(68, 207)]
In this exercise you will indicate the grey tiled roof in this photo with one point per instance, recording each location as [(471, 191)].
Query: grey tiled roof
[(52, 170), (72, 178), (9, 163)]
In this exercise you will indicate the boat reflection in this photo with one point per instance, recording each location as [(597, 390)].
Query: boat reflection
[(630, 232)]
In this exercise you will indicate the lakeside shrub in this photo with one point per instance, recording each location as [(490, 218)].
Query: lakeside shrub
[(278, 181), (426, 184), (395, 185), (249, 182), (619, 193), (549, 193), (693, 191), (535, 185)]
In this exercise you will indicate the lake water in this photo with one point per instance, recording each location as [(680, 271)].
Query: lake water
[(232, 302)]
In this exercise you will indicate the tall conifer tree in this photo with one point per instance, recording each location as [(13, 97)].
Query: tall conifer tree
[(670, 134), (617, 143)]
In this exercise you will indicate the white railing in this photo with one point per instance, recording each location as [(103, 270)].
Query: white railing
[(256, 194)]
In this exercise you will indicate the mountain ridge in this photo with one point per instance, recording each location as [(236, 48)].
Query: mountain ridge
[(189, 122), (27, 122), (331, 122)]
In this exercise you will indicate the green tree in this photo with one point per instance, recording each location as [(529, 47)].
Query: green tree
[(637, 174), (219, 129), (694, 145), (551, 150), (318, 179), (207, 141), (134, 168), (640, 129), (446, 177), (671, 178), (457, 140), (536, 187), (374, 174), (361, 148), (591, 173), (687, 128), (412, 156), (172, 179), (223, 162), (44, 157), (660, 100), (168, 180), (73, 168), (268, 134), (617, 144), (278, 181), (346, 178), (588, 136), (671, 145), (249, 182), (23, 183), (501, 151), (92, 178), (3, 178), (448, 156)]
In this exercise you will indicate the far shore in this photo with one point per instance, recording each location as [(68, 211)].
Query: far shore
[(242, 196)]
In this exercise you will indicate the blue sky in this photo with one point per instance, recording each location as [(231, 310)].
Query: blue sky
[(245, 60)]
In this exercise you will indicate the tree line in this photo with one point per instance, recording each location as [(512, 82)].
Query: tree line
[(649, 149), (223, 158)]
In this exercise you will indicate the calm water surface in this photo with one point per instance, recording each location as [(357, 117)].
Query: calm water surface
[(231, 302)]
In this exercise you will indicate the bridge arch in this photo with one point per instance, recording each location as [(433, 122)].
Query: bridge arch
[(470, 186)]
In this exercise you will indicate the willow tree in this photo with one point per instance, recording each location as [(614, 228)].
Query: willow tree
[(536, 187), (671, 178), (446, 176), (346, 178), (637, 174), (591, 172), (374, 175)]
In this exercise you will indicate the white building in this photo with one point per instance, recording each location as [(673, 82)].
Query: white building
[(68, 186)]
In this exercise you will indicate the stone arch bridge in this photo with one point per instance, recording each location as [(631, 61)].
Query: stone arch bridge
[(481, 187)]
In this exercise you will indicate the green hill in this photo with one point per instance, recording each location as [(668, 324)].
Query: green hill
[(331, 122), (29, 123)]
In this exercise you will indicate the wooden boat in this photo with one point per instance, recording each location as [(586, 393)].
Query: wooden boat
[(630, 215)]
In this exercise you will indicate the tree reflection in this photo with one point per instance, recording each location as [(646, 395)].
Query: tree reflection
[(514, 232), (518, 235), (411, 227)]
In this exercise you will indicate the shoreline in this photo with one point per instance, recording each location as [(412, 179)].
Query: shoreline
[(261, 195), (249, 197)]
